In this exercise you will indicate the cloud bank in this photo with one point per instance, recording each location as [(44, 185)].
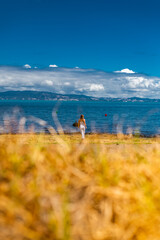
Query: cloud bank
[(90, 82)]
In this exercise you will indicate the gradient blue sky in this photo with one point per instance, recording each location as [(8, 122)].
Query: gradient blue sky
[(107, 35)]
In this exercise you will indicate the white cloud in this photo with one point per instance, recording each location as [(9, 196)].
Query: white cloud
[(27, 66), (91, 87), (67, 83), (49, 82), (53, 66), (96, 87), (140, 83), (80, 81), (125, 70)]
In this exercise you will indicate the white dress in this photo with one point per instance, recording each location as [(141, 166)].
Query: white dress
[(82, 128)]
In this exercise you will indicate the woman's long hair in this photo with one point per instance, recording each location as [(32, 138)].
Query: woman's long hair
[(82, 116)]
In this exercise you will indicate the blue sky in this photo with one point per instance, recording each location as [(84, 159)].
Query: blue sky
[(104, 34), (115, 45)]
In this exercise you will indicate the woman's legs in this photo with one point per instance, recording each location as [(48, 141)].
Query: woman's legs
[(82, 130)]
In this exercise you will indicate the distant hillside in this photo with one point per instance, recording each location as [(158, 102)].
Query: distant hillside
[(36, 95)]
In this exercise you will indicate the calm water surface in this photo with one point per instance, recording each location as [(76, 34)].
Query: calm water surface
[(123, 117)]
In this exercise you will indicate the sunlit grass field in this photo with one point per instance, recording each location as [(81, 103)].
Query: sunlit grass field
[(58, 187)]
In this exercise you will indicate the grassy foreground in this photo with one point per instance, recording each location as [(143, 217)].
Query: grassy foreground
[(59, 188)]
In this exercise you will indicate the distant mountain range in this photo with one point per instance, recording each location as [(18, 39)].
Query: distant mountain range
[(37, 95)]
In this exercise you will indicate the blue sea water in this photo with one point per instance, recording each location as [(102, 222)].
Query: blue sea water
[(122, 117)]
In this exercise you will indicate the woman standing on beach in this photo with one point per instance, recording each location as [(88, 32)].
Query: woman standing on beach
[(82, 125)]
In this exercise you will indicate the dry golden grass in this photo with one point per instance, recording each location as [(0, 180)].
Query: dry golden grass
[(59, 188)]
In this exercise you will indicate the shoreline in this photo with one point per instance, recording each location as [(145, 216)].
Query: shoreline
[(106, 140), (98, 134)]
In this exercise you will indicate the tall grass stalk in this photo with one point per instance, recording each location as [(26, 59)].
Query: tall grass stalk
[(57, 188)]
